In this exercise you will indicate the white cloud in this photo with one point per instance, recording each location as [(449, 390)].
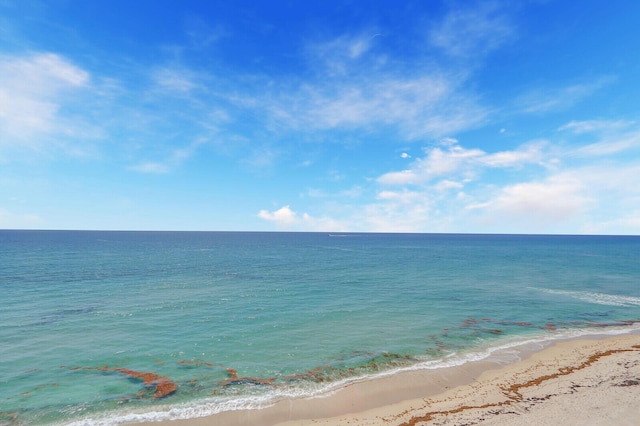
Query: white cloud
[(519, 193), (529, 153), (423, 104), (284, 216), (472, 32), (549, 205), (322, 224), (616, 182), (384, 101), (444, 192), (402, 197), (589, 126), (352, 193), (595, 198), (174, 80), (174, 160), (352, 87), (542, 100), (151, 167), (626, 224), (202, 34), (339, 55), (260, 158), (437, 162), (42, 73), (446, 185), (395, 211), (609, 146), (315, 193), (451, 158), (404, 177), (556, 200), (32, 92), (613, 137)]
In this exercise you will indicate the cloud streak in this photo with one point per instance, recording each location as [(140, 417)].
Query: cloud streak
[(34, 88), (450, 158), (176, 158), (473, 31), (542, 100), (545, 204)]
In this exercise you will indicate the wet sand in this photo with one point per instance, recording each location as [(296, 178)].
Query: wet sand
[(594, 381)]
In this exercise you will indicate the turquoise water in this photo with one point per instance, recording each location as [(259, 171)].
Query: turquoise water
[(220, 321)]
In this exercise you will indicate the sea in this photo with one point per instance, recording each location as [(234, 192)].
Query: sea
[(105, 327)]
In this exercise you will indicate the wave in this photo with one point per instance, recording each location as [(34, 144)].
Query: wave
[(596, 298), (504, 351)]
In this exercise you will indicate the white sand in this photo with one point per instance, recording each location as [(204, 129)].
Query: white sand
[(579, 382)]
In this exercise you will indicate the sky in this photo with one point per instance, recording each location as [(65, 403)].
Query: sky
[(331, 116)]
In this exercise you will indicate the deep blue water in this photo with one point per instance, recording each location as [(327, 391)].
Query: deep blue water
[(237, 319)]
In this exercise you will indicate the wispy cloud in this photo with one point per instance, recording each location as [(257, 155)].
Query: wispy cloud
[(577, 198), (173, 79), (360, 84), (449, 158), (590, 126), (430, 105), (152, 167), (34, 88), (396, 211), (365, 92), (202, 33), (472, 31), (612, 137), (627, 223), (175, 159), (338, 56), (612, 145), (545, 99), (525, 154), (556, 200), (350, 193)]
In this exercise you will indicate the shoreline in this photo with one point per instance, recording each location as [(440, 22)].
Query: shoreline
[(557, 376)]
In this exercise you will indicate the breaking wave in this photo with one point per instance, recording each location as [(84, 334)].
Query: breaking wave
[(597, 298)]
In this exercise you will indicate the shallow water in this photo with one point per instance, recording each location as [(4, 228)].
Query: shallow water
[(99, 325)]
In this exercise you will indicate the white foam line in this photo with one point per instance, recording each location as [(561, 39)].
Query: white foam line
[(597, 298), (506, 351)]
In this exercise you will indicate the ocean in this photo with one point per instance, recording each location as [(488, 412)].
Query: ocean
[(112, 327)]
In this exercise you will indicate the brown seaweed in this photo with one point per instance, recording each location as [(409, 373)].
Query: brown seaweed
[(513, 393), (235, 380), (195, 363), (163, 385)]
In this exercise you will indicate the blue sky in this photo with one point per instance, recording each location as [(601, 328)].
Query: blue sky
[(381, 116)]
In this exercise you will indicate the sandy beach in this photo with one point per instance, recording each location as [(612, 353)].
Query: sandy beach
[(590, 381)]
